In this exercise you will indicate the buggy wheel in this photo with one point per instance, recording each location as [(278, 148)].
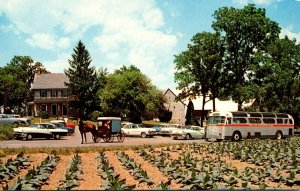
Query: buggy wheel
[(108, 137), (96, 139), (121, 136)]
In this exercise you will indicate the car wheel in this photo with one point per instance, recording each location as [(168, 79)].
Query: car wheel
[(143, 135), (29, 137), (57, 136), (278, 135), (15, 124), (188, 136), (175, 138)]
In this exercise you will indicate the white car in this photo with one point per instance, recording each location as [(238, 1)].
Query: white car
[(166, 129), (41, 130), (188, 132), (138, 130)]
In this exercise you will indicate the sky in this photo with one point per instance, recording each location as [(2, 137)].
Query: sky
[(144, 33)]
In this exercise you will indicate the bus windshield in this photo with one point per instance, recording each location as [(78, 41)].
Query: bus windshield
[(216, 119)]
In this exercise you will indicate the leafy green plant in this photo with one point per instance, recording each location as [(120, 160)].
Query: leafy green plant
[(138, 173), (111, 180), (36, 177), (12, 167), (72, 175)]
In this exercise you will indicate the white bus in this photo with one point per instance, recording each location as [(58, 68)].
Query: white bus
[(239, 124)]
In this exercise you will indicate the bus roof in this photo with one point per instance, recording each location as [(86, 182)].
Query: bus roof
[(250, 114)]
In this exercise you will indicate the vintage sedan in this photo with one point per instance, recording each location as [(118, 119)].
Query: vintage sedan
[(188, 132), (40, 130), (23, 120), (138, 130), (166, 129), (63, 126), (71, 125), (6, 120)]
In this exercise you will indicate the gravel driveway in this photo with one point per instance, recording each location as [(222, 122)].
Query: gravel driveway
[(75, 141)]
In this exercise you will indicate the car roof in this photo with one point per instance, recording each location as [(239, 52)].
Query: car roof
[(108, 118)]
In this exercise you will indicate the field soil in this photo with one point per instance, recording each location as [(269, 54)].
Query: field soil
[(90, 179)]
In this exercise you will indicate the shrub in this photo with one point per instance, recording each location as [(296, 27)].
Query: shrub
[(94, 115), (165, 116), (44, 115), (6, 132)]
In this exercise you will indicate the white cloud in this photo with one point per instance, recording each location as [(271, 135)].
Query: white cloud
[(288, 32), (47, 41), (243, 2), (58, 65), (125, 32)]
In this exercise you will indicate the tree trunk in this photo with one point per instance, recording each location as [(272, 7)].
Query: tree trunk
[(240, 105), (214, 103), (203, 104), (5, 102)]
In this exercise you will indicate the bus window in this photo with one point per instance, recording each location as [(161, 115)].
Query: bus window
[(269, 120), (254, 120), (290, 121), (239, 120), (229, 120), (216, 119), (279, 121)]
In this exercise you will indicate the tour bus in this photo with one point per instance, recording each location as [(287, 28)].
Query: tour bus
[(237, 125)]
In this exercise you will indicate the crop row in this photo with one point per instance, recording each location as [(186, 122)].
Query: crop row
[(111, 180), (207, 173), (12, 167), (72, 174), (36, 177)]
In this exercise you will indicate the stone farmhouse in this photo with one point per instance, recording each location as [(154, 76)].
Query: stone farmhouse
[(179, 108)]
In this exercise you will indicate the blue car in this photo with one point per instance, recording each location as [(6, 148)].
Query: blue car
[(62, 126)]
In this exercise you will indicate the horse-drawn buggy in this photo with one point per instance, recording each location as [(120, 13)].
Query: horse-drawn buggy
[(107, 128)]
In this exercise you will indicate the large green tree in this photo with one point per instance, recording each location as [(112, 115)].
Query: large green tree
[(245, 33), (278, 78), (17, 77), (129, 93), (83, 82), (199, 69)]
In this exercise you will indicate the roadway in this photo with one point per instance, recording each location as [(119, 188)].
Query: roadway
[(75, 141)]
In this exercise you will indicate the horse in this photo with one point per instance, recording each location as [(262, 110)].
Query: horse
[(85, 128)]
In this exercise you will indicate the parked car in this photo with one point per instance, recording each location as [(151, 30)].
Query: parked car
[(157, 128), (6, 120), (167, 128), (23, 120), (138, 130), (63, 126), (125, 123), (40, 130), (71, 125), (188, 132)]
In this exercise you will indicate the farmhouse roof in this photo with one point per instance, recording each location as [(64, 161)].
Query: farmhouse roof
[(50, 81)]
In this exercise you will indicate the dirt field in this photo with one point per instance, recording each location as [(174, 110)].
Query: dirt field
[(193, 166)]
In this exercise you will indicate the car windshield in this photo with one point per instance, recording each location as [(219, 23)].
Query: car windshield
[(216, 119), (34, 126), (140, 126), (197, 128)]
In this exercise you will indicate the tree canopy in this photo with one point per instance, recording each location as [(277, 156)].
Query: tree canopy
[(243, 60), (16, 79), (83, 84), (130, 94), (245, 32)]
